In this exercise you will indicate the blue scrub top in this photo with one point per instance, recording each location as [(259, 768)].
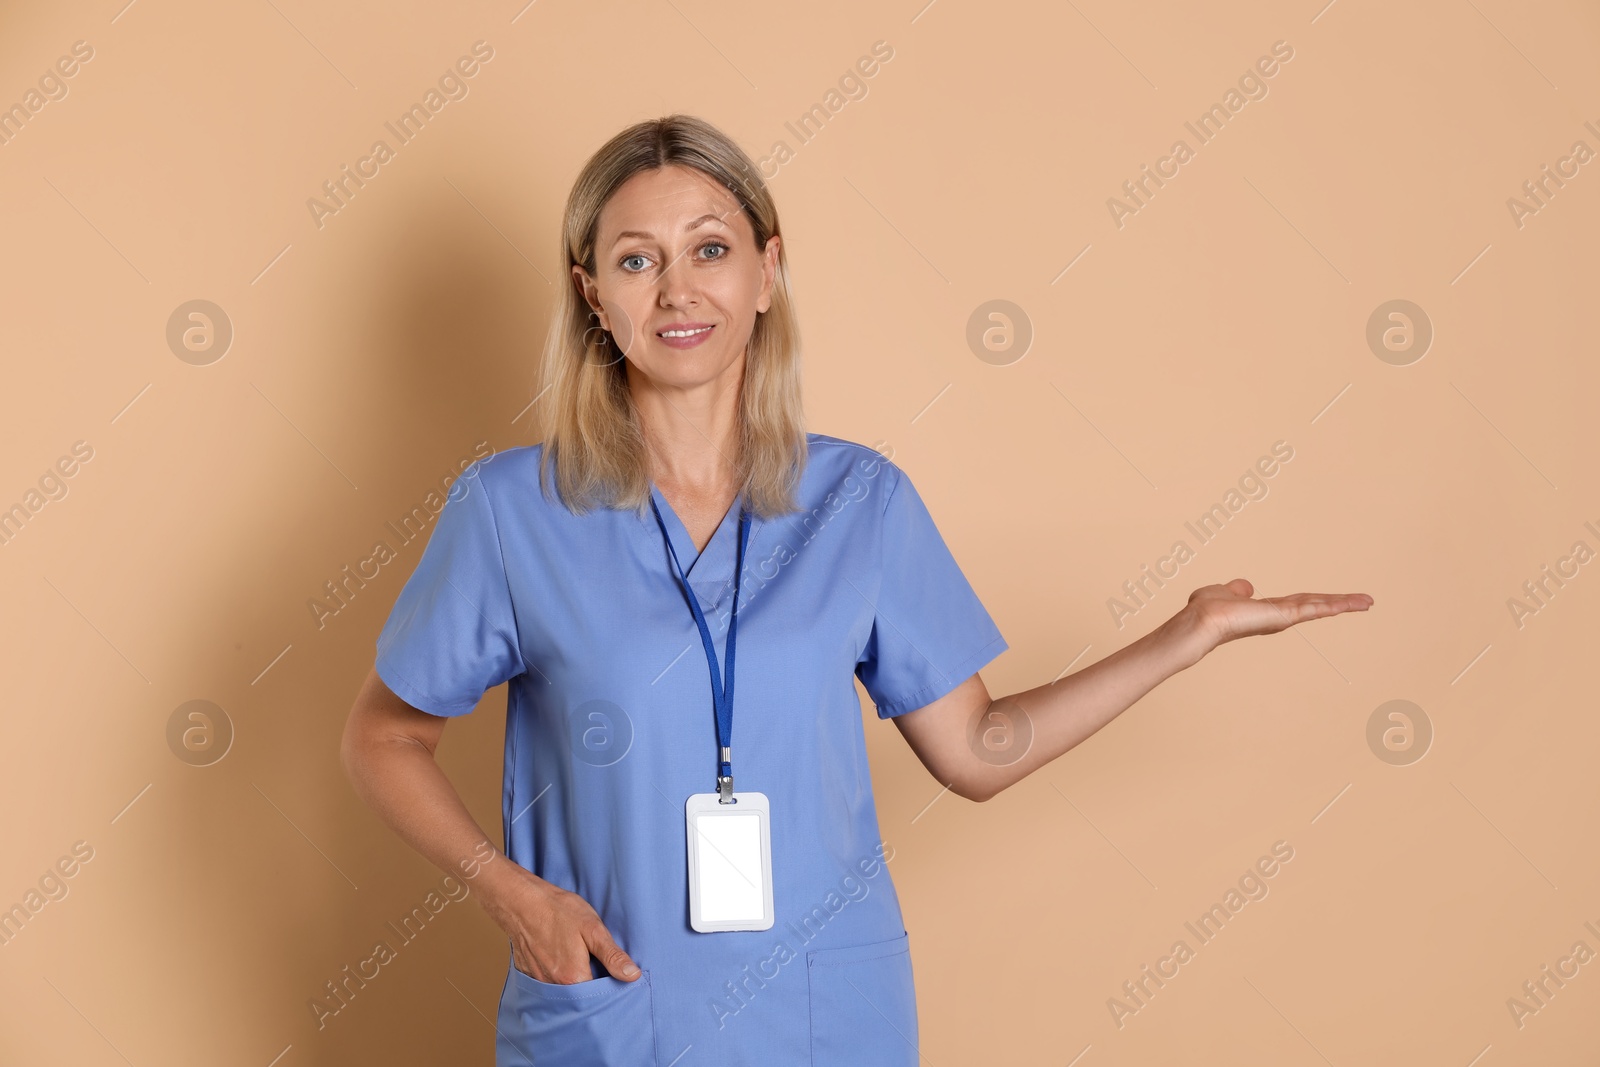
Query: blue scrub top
[(610, 727)]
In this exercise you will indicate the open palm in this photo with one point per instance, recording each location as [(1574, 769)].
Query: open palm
[(1227, 611)]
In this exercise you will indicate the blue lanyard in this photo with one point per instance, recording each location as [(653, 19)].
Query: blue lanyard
[(721, 689)]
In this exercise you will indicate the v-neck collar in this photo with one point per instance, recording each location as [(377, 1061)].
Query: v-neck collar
[(709, 571)]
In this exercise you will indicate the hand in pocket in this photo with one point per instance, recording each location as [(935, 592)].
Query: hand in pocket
[(553, 932)]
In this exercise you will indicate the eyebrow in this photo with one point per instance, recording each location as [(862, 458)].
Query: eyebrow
[(701, 221)]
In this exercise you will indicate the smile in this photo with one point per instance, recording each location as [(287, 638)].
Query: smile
[(686, 335)]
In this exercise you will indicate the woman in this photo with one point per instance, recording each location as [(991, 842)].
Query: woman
[(676, 512)]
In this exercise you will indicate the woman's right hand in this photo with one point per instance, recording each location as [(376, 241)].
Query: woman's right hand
[(553, 932), (388, 752)]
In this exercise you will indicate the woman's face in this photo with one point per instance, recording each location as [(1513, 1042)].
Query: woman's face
[(678, 276)]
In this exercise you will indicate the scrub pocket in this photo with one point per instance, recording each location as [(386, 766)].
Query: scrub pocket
[(863, 1005), (604, 1022)]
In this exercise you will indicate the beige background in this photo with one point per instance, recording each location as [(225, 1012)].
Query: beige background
[(1229, 313)]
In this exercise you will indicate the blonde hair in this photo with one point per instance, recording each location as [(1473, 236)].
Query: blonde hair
[(593, 443)]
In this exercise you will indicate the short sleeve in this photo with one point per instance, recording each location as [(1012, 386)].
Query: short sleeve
[(930, 632), (452, 634)]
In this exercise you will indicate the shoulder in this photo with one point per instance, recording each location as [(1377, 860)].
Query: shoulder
[(821, 444), (506, 469), (500, 477), (836, 460)]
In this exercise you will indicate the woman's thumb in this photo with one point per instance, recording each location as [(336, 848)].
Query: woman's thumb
[(617, 962)]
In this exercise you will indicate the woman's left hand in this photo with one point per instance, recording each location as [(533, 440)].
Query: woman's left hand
[(1217, 614)]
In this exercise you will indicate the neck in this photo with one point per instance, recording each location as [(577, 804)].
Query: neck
[(691, 434)]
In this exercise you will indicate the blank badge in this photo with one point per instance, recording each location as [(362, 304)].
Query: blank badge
[(730, 862)]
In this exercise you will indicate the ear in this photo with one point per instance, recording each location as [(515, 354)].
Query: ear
[(589, 292), (769, 273)]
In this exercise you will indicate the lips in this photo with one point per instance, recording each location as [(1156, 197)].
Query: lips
[(685, 334)]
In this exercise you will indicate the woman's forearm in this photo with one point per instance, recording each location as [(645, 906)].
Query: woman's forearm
[(1042, 723), (401, 781), (388, 754), (1053, 718)]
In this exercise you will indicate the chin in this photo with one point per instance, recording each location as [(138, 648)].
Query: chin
[(686, 368)]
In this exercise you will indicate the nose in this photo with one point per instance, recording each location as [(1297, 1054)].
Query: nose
[(677, 285)]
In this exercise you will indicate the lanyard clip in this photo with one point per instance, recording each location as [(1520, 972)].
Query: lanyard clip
[(725, 776)]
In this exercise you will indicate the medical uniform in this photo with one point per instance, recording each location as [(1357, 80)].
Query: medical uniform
[(610, 727)]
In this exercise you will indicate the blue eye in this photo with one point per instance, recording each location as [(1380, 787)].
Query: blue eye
[(629, 259), (717, 245)]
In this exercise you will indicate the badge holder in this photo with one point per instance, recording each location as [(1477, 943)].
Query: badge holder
[(730, 862)]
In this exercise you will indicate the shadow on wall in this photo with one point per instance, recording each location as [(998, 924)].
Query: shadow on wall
[(447, 322)]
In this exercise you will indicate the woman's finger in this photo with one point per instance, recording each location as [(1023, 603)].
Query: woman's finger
[(1303, 607), (617, 962)]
